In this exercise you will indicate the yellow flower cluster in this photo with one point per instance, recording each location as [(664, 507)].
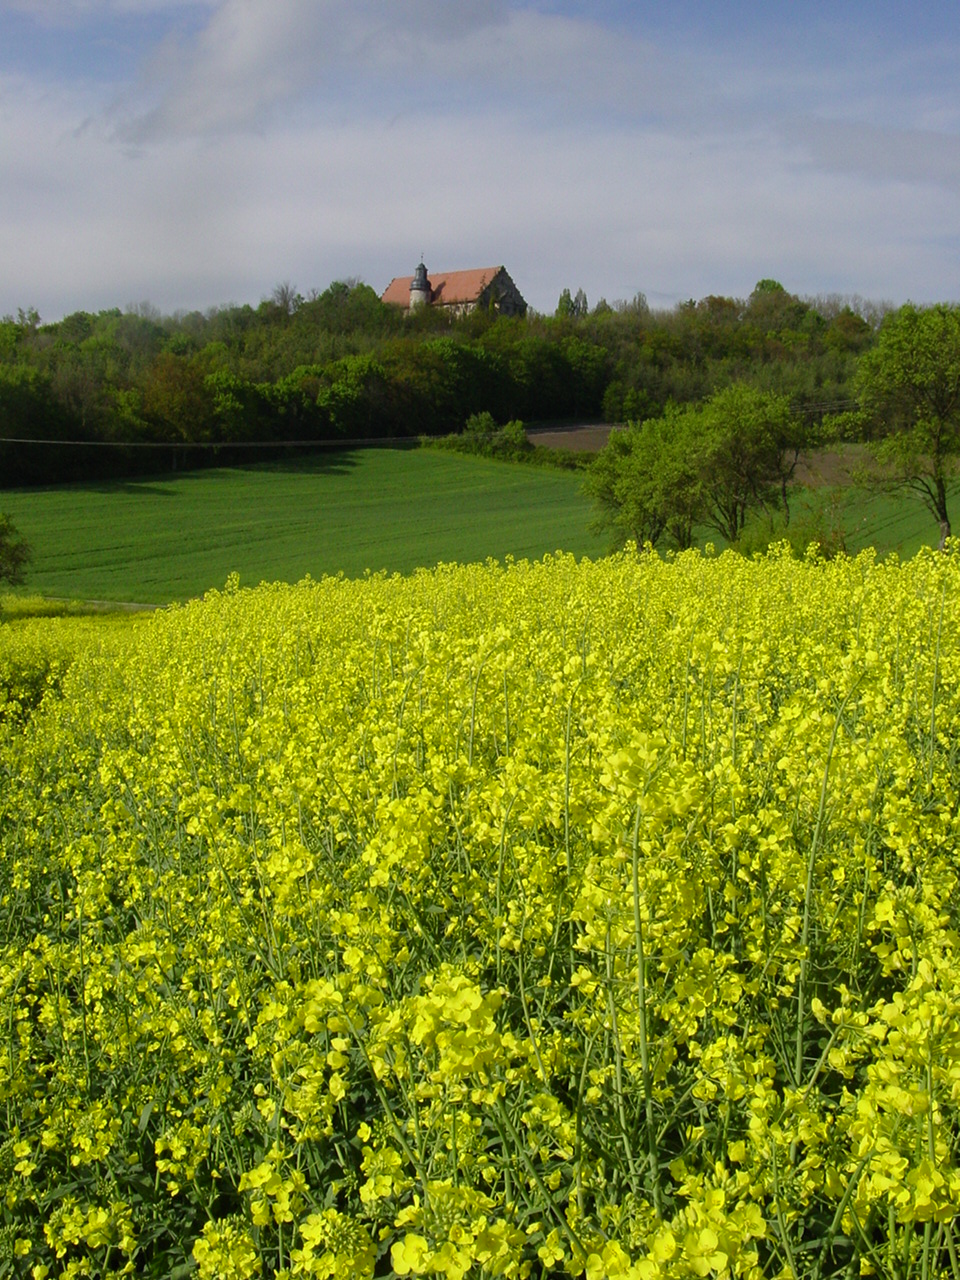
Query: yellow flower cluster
[(574, 919)]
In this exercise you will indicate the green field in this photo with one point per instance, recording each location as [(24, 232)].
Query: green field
[(171, 538), (891, 522)]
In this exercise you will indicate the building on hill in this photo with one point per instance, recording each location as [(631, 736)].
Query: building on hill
[(460, 291)]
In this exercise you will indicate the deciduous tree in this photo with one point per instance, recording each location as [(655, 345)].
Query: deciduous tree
[(175, 400), (564, 305), (748, 447), (710, 464), (646, 481), (909, 391)]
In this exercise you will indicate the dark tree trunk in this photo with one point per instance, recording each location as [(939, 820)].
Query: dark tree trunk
[(942, 516)]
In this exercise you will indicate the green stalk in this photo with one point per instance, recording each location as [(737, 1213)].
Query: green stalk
[(868, 1247), (453, 1147), (808, 893), (506, 715), (618, 1064), (933, 691), (83, 992), (644, 1048), (571, 927), (385, 1103), (931, 1153), (548, 1199), (578, 1150), (733, 732), (523, 995), (781, 1224), (951, 1250), (838, 1216), (473, 709), (566, 781), (498, 895)]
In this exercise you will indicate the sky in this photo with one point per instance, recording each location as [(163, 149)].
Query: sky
[(197, 153)]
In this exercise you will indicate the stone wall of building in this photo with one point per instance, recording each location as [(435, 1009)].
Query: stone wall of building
[(504, 294)]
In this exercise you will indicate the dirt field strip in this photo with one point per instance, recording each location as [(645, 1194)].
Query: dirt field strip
[(818, 469)]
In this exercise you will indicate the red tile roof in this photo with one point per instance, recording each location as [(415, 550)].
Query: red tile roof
[(449, 287)]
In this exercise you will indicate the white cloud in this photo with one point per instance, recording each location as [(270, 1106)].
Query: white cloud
[(900, 155), (316, 139), (70, 12), (193, 222), (255, 55)]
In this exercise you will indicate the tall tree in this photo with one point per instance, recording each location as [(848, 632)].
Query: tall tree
[(710, 464), (909, 391), (175, 400), (749, 446), (646, 481), (564, 305)]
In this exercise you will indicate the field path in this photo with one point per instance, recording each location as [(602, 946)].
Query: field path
[(107, 606), (817, 469), (585, 437)]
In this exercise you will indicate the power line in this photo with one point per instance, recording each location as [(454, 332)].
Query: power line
[(827, 406), (361, 442), (215, 444)]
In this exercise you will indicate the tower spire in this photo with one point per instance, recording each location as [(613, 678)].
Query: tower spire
[(420, 291)]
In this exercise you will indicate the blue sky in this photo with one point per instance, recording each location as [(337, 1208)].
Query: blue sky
[(191, 153)]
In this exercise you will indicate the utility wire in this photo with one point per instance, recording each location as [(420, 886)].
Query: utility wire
[(214, 444), (831, 406)]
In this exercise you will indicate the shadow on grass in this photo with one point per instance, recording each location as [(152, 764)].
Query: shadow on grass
[(333, 458), (137, 487), (157, 481), (325, 461)]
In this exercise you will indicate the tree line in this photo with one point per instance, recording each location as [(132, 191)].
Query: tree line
[(121, 392)]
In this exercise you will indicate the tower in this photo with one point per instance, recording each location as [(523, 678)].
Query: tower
[(420, 291)]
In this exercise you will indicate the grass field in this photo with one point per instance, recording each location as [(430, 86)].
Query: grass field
[(831, 482), (173, 538), (893, 523)]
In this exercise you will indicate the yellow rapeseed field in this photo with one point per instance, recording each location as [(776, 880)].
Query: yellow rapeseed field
[(546, 919)]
